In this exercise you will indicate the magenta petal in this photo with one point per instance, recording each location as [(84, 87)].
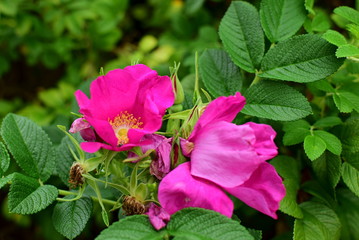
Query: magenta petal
[(104, 130), (262, 191), (158, 216), (220, 109), (179, 189), (223, 153), (78, 125), (264, 144)]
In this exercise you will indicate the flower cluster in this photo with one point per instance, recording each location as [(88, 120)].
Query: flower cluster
[(126, 110)]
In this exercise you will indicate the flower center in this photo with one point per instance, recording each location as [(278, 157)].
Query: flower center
[(123, 122)]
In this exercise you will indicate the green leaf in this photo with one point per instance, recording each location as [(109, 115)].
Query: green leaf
[(314, 146), (242, 35), (281, 19), (347, 50), (351, 178), (198, 223), (6, 180), (304, 58), (327, 168), (64, 159), (288, 169), (346, 101), (131, 228), (348, 13), (4, 159), (319, 223), (331, 141), (330, 121), (295, 132), (70, 218), (219, 74), (348, 212), (350, 140), (27, 196), (325, 194), (322, 85), (265, 100), (335, 38), (30, 146), (309, 4)]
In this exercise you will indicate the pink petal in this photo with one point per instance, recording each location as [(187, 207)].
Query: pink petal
[(220, 109), (264, 144), (78, 125), (224, 154), (161, 165), (262, 191), (179, 189), (158, 216)]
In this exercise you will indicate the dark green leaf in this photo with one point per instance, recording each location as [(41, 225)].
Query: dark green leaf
[(131, 228), (30, 146), (70, 218), (332, 143), (64, 159), (198, 223), (319, 223), (27, 196), (351, 178), (350, 140), (304, 58), (288, 168), (348, 212), (325, 194), (295, 132), (322, 85), (327, 168), (242, 35), (219, 74), (281, 19), (314, 146), (265, 100), (4, 159)]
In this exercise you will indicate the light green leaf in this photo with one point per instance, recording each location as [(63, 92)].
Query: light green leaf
[(304, 58), (327, 168), (332, 142), (4, 159), (349, 99), (335, 38), (27, 196), (351, 178), (319, 223), (295, 132), (265, 100), (348, 13), (30, 146), (242, 35), (330, 121), (350, 140), (219, 74), (314, 146), (281, 19), (131, 228), (6, 180), (347, 50), (288, 168), (70, 218), (348, 212), (198, 223), (309, 4)]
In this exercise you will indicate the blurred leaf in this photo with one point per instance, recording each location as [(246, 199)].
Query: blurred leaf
[(281, 19), (288, 169), (192, 6), (220, 76), (348, 13), (295, 132), (27, 196), (351, 178), (70, 218), (314, 146), (347, 50), (348, 212), (303, 58), (319, 222), (30, 146), (265, 100), (335, 38), (309, 6), (350, 139), (346, 101), (242, 35)]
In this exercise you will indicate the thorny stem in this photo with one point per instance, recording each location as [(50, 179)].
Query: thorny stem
[(67, 193)]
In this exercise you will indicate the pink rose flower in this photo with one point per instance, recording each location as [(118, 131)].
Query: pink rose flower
[(158, 216), (233, 157), (125, 105)]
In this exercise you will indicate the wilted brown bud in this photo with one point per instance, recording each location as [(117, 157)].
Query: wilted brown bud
[(132, 206), (76, 179)]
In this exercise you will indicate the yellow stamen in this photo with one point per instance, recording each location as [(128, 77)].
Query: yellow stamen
[(123, 122)]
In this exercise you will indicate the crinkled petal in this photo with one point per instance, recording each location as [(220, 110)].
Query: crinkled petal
[(78, 125), (262, 191), (158, 216), (161, 165), (264, 144), (223, 153), (88, 134), (220, 109), (179, 189)]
